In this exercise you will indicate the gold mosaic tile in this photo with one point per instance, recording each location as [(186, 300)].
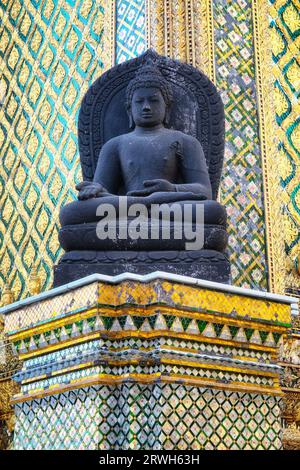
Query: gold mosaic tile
[(172, 294)]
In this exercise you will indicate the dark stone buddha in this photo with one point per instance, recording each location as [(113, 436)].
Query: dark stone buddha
[(151, 164)]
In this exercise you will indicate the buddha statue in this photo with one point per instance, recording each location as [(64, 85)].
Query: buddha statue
[(151, 163), (151, 158)]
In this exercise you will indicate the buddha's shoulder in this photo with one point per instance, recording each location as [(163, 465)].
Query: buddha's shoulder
[(119, 139), (114, 142), (181, 136)]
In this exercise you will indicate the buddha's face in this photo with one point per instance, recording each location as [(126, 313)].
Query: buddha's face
[(148, 107)]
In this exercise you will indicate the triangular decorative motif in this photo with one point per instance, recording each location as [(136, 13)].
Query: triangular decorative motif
[(255, 338), (152, 320), (138, 321), (79, 325), (169, 320), (276, 337), (240, 336), (68, 329), (122, 320), (225, 334), (129, 325), (233, 330), (263, 335), (86, 327), (57, 332), (64, 334), (146, 326), (201, 325), (218, 328), (91, 321), (37, 339), (32, 344), (249, 332), (22, 347), (177, 326), (116, 325), (16, 346), (74, 332), (160, 323), (99, 325), (209, 331), (270, 340), (26, 341), (185, 322), (43, 341), (52, 339), (47, 335), (192, 329), (107, 322)]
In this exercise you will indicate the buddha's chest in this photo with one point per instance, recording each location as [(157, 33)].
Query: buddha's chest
[(151, 156)]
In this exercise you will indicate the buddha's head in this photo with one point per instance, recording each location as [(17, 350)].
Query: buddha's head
[(148, 98)]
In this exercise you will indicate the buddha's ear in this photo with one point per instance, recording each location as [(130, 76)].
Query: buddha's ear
[(167, 117), (131, 122)]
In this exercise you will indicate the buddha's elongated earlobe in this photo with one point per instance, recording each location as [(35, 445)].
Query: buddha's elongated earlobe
[(131, 122), (167, 116)]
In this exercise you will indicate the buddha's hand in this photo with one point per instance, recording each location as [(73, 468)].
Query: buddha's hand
[(89, 190), (153, 186)]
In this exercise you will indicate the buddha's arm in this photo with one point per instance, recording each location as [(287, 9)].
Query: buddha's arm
[(193, 169), (108, 171), (107, 175)]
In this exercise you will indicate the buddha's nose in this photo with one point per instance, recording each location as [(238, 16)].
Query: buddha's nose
[(146, 106)]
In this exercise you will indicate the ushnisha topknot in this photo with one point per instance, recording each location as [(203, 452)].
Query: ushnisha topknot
[(149, 76)]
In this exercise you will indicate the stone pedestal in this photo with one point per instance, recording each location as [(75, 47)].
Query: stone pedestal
[(203, 264), (148, 362)]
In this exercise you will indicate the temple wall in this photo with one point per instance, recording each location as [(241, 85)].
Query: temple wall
[(131, 29), (285, 31), (52, 51), (242, 184)]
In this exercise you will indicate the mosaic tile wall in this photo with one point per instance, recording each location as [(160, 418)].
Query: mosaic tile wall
[(135, 416), (50, 52), (285, 29), (241, 187), (130, 29)]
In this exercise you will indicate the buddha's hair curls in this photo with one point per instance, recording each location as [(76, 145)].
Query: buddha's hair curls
[(149, 76)]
